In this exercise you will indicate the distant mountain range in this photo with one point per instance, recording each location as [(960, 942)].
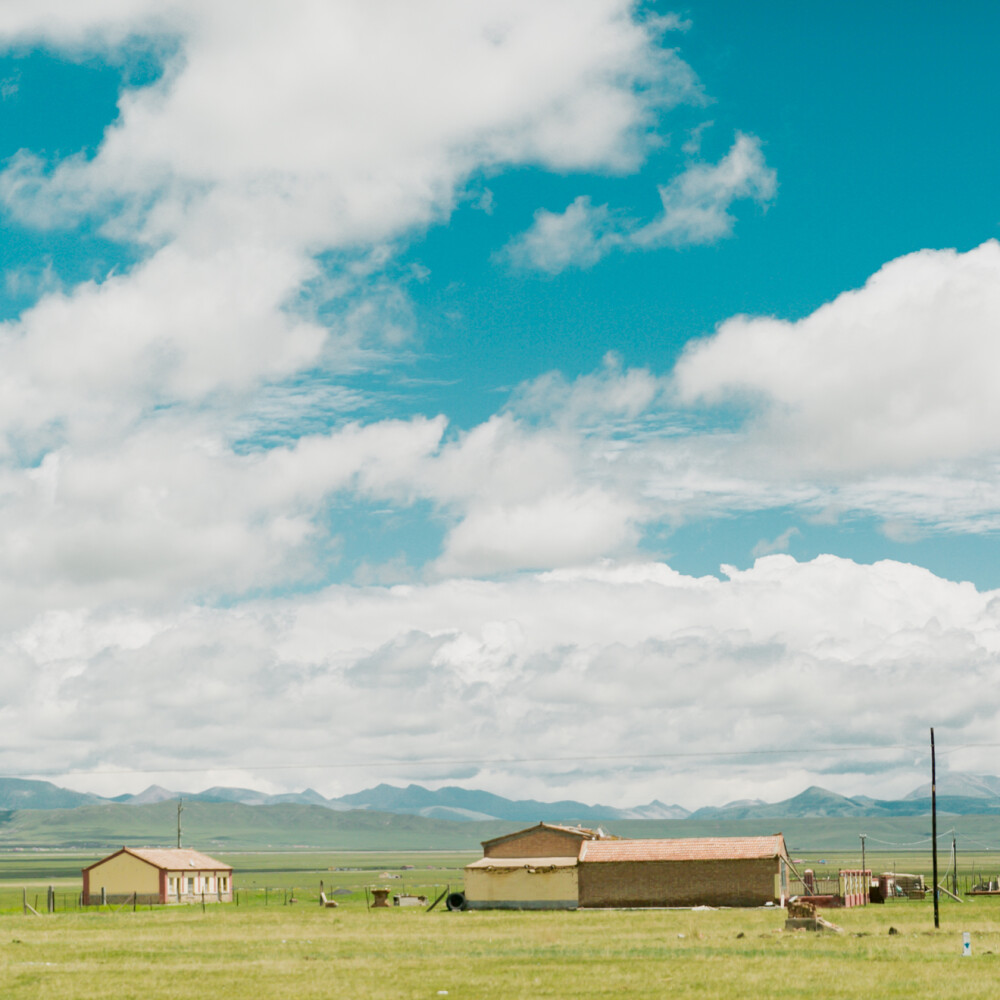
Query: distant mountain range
[(958, 794)]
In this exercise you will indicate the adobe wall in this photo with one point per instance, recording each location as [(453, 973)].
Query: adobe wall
[(519, 888), (678, 883), (537, 844)]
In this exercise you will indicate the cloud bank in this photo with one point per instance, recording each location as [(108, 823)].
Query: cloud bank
[(613, 659)]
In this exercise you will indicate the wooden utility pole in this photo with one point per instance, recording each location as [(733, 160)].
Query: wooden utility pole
[(937, 919), (180, 809), (862, 836), (954, 863)]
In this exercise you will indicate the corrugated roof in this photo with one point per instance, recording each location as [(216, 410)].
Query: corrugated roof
[(172, 858), (686, 849), (523, 863)]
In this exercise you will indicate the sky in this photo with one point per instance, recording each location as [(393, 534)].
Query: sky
[(565, 398)]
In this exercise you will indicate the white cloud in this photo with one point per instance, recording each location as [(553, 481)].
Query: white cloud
[(369, 117), (555, 529), (894, 376), (696, 207), (120, 399), (580, 236), (172, 513), (696, 203), (121, 486), (611, 659)]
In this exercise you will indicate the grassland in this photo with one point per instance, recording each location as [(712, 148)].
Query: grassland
[(306, 952), (269, 946)]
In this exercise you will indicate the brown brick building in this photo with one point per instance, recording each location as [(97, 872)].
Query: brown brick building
[(562, 867), (715, 871)]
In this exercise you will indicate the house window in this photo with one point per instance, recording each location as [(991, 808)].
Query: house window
[(190, 885), (208, 883), (223, 883)]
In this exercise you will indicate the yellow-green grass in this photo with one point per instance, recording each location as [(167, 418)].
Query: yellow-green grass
[(307, 952)]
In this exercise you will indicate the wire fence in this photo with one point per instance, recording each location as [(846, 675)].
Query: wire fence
[(44, 900)]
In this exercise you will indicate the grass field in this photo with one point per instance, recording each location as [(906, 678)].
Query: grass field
[(306, 952), (270, 947)]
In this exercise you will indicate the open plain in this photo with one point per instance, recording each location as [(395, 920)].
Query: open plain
[(269, 946)]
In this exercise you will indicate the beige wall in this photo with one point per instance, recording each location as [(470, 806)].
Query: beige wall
[(519, 887), (678, 883), (124, 874)]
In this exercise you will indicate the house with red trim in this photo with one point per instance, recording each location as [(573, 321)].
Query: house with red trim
[(157, 875)]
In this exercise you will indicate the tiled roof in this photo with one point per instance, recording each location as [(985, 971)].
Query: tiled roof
[(173, 858), (687, 849), (523, 863)]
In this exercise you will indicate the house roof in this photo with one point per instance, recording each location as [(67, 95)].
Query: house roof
[(169, 858), (686, 849), (487, 863), (577, 831)]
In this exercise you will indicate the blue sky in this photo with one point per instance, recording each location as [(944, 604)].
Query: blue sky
[(358, 316)]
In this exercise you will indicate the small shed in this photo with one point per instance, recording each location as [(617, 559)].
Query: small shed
[(157, 875), (706, 871)]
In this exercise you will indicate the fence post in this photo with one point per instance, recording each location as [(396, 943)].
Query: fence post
[(51, 900), (104, 896)]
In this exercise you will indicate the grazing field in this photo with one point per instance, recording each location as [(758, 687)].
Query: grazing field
[(269, 946), (307, 952)]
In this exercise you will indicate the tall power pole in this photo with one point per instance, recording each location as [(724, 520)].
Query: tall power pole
[(180, 809)]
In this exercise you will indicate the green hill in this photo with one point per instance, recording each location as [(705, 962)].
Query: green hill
[(224, 826), (232, 826)]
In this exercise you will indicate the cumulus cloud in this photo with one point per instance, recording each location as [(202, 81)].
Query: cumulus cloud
[(263, 210), (449, 87), (894, 376), (155, 468), (614, 659), (696, 207)]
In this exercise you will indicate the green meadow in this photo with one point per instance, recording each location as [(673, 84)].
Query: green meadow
[(306, 952), (278, 942)]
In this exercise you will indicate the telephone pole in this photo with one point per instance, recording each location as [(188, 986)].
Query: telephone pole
[(954, 863), (937, 920), (862, 836), (180, 809)]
